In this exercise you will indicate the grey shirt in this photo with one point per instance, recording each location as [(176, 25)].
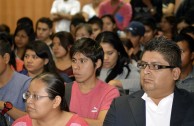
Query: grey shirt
[(131, 83), (187, 83), (13, 92)]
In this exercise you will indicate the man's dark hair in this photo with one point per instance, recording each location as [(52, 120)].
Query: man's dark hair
[(96, 20), (78, 18), (90, 48), (167, 48), (45, 20), (185, 38)]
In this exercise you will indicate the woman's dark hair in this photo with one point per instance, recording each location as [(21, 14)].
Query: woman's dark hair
[(25, 21), (66, 39), (29, 31), (55, 87), (42, 50), (90, 48), (123, 60), (111, 17)]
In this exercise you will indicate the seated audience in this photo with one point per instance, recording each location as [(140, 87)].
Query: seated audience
[(44, 27), (45, 104), (160, 103), (78, 18), (89, 97), (109, 23), (135, 33), (23, 35), (96, 24), (12, 85), (83, 30), (38, 59), (62, 43), (186, 44), (117, 69), (168, 27)]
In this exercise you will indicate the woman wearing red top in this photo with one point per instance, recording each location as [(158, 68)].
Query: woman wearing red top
[(45, 104)]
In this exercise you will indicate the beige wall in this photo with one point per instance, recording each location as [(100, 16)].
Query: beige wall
[(12, 10)]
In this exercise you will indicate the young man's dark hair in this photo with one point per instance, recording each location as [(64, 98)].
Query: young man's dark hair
[(45, 20), (90, 48), (96, 20), (185, 38)]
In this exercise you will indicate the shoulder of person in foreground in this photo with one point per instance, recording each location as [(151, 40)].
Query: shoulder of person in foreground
[(120, 112), (23, 121), (77, 121)]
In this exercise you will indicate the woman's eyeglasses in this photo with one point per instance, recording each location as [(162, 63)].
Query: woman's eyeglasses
[(32, 96)]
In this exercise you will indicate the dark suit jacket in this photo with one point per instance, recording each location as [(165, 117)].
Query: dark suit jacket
[(130, 110)]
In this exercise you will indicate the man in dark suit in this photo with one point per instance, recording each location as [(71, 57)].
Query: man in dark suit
[(160, 103)]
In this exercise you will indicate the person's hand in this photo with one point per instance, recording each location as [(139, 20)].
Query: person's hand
[(116, 83), (1, 105)]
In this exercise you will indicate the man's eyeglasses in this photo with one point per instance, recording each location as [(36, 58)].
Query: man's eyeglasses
[(143, 65), (33, 96)]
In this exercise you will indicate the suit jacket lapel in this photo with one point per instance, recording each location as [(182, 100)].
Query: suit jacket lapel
[(137, 105)]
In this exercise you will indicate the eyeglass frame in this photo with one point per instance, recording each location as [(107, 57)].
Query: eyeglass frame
[(153, 68), (33, 96)]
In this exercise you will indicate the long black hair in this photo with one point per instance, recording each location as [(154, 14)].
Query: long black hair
[(123, 59)]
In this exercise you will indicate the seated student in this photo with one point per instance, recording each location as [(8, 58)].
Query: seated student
[(83, 30), (150, 29), (135, 32), (167, 27), (160, 103), (78, 18), (44, 27), (109, 23), (23, 35), (38, 59), (62, 42), (12, 85), (127, 44), (186, 44), (45, 104), (117, 69), (96, 24), (90, 97)]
